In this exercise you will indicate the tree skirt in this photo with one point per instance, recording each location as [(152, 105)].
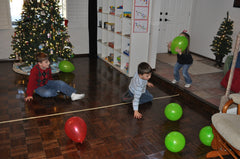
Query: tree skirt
[(19, 67)]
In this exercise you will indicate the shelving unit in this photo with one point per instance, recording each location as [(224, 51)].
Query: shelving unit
[(123, 33)]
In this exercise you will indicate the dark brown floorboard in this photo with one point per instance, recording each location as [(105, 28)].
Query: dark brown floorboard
[(111, 132)]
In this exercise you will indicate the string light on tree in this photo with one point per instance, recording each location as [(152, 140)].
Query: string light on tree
[(222, 43)]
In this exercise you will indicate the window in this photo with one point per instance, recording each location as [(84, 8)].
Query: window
[(236, 3), (16, 9), (17, 5), (63, 8)]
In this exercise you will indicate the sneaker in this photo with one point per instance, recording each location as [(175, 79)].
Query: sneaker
[(174, 81), (187, 85), (127, 97), (75, 96)]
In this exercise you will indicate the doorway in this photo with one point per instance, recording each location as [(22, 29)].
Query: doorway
[(174, 17)]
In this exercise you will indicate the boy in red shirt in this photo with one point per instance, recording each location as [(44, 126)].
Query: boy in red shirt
[(40, 81)]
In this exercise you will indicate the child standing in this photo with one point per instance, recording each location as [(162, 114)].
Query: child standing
[(40, 81), (137, 88), (184, 60)]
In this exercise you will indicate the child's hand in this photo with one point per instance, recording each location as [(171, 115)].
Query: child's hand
[(137, 115), (178, 50), (169, 46), (28, 98), (150, 84)]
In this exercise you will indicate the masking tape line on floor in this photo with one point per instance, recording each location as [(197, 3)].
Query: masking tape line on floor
[(77, 111)]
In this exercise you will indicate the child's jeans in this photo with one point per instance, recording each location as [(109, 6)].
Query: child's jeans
[(52, 88), (145, 97), (186, 76)]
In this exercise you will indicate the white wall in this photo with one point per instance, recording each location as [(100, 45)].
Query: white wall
[(77, 14), (5, 30), (207, 16), (5, 43)]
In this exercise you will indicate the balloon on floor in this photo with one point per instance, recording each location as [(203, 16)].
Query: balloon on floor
[(66, 66), (206, 135), (181, 42), (175, 141), (173, 111), (76, 129)]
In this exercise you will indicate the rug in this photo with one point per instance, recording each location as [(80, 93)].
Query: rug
[(197, 67), (26, 69)]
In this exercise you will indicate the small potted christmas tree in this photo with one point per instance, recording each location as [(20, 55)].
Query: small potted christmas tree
[(222, 43)]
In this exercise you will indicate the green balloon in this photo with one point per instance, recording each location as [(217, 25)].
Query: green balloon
[(206, 135), (175, 141), (173, 111), (66, 66), (181, 42)]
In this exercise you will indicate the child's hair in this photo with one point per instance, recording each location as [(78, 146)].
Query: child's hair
[(41, 57), (188, 38), (144, 68)]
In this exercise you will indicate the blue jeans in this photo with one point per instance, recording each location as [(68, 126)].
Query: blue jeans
[(52, 88), (145, 97), (186, 76)]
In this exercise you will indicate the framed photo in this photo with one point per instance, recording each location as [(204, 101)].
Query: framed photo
[(236, 3), (140, 26), (141, 16)]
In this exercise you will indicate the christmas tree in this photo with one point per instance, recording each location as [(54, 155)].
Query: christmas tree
[(222, 43), (41, 29)]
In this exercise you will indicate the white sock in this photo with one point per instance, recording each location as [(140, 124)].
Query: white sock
[(75, 96)]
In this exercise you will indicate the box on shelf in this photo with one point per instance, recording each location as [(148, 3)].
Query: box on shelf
[(127, 14), (105, 25), (126, 67), (111, 26), (120, 7), (112, 10), (126, 51), (119, 60), (100, 23), (109, 58), (111, 44)]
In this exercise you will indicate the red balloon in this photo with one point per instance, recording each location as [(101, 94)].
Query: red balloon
[(76, 129)]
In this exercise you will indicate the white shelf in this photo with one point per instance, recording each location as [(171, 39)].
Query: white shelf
[(118, 44)]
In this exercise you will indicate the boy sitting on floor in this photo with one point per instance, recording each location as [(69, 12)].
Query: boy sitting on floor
[(40, 81), (137, 92)]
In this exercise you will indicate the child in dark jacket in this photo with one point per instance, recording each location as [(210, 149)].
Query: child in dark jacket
[(41, 82), (184, 60)]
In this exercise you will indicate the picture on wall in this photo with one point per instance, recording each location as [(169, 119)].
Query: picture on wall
[(141, 16), (236, 3)]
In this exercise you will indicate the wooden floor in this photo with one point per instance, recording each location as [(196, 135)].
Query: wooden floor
[(112, 133)]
